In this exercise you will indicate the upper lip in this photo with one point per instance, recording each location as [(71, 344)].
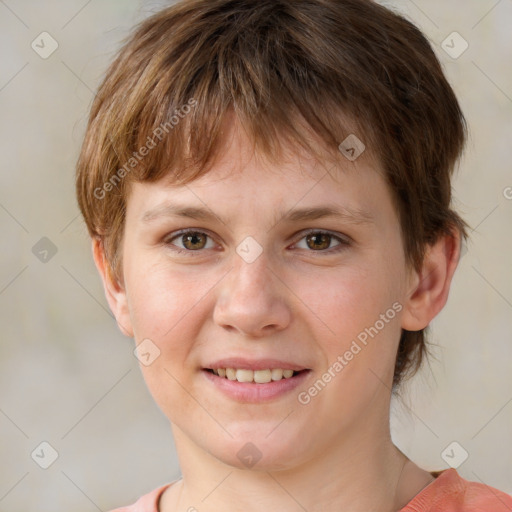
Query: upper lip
[(241, 363)]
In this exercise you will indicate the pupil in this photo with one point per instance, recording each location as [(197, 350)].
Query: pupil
[(317, 240), (192, 238)]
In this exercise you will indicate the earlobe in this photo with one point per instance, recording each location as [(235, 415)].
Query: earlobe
[(429, 291), (114, 292)]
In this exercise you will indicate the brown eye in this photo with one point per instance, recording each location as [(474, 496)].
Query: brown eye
[(194, 240), (321, 241), (318, 240), (191, 241)]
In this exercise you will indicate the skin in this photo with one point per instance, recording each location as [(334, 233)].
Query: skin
[(294, 302)]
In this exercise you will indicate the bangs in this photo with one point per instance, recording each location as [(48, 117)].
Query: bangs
[(169, 129)]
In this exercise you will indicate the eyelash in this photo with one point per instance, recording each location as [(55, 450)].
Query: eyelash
[(344, 243)]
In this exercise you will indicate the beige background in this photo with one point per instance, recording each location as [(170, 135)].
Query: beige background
[(68, 377)]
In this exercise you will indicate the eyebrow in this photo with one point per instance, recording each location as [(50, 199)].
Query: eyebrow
[(352, 215)]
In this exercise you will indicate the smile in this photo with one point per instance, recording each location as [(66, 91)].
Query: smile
[(256, 376), (255, 386)]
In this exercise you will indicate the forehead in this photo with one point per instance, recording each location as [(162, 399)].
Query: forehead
[(243, 181), (244, 178)]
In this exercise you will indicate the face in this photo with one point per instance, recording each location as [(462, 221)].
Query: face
[(252, 284)]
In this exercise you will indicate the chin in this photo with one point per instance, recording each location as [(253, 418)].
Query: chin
[(259, 454)]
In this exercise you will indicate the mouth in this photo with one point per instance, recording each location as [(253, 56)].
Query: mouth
[(262, 376), (255, 380), (262, 383)]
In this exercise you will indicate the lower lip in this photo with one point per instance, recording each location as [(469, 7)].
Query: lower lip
[(253, 392)]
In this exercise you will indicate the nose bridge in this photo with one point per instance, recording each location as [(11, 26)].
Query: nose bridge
[(250, 299), (251, 274)]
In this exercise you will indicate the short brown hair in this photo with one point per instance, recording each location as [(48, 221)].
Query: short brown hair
[(326, 62)]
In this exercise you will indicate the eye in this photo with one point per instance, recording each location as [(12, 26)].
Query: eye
[(193, 241), (319, 241)]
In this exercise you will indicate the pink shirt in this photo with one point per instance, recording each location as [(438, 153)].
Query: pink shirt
[(447, 493)]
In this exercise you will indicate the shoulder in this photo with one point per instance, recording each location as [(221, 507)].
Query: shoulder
[(146, 503), (452, 493)]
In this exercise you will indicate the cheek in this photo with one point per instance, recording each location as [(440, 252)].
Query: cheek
[(355, 314), (168, 307), (341, 302), (163, 301)]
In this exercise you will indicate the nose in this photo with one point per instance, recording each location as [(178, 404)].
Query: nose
[(252, 300)]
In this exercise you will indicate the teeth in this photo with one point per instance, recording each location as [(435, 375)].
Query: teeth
[(277, 374), (244, 375), (262, 376), (258, 376)]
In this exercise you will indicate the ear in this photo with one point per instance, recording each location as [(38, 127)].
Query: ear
[(114, 292), (430, 287)]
